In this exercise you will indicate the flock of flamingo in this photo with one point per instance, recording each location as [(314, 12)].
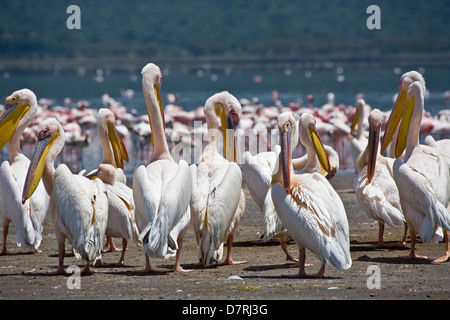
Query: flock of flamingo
[(398, 181)]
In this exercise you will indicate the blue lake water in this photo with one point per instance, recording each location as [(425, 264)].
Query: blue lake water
[(378, 86), (293, 85)]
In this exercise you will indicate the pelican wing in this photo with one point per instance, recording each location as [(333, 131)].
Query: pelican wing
[(213, 208), (257, 174), (83, 207), (380, 198), (121, 221), (13, 209), (146, 193), (272, 224), (420, 186), (164, 207), (314, 215)]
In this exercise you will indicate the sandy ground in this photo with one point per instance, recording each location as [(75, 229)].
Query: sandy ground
[(263, 277)]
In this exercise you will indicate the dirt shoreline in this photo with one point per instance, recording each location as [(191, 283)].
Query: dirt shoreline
[(263, 277)]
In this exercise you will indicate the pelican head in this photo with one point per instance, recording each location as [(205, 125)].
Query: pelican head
[(288, 126), (229, 110), (152, 78), (375, 121), (106, 122), (49, 144), (411, 85), (20, 104), (358, 113), (308, 135), (400, 109), (106, 173)]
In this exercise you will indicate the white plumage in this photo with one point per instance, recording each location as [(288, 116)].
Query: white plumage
[(121, 218), (308, 206), (78, 206), (422, 177), (374, 185), (217, 200), (162, 189), (121, 215), (28, 218)]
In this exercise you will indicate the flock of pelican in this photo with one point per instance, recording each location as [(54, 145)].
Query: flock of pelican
[(406, 185)]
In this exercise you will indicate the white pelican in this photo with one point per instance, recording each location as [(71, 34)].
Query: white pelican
[(19, 112), (79, 206), (443, 146), (307, 205), (359, 142), (374, 185), (258, 171), (257, 177), (114, 150), (217, 198), (162, 189), (114, 154), (121, 216), (422, 177)]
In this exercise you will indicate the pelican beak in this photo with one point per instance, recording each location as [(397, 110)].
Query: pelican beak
[(229, 126), (320, 150), (119, 150), (355, 121), (374, 137), (9, 119), (394, 120), (286, 158), (92, 175), (404, 127), (36, 168)]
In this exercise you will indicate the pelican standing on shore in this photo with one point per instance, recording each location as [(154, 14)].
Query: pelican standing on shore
[(20, 110), (162, 189), (79, 206), (308, 206), (374, 185), (217, 201), (422, 178), (257, 177), (121, 218)]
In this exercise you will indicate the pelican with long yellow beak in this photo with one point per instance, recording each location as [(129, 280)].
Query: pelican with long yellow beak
[(114, 150), (258, 171), (217, 201), (307, 205), (374, 185), (78, 206), (28, 218), (422, 178), (121, 220), (162, 189)]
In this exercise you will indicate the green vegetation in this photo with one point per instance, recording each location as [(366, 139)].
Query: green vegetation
[(226, 29)]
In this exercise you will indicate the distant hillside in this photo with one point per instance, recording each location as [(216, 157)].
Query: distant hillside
[(219, 28)]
